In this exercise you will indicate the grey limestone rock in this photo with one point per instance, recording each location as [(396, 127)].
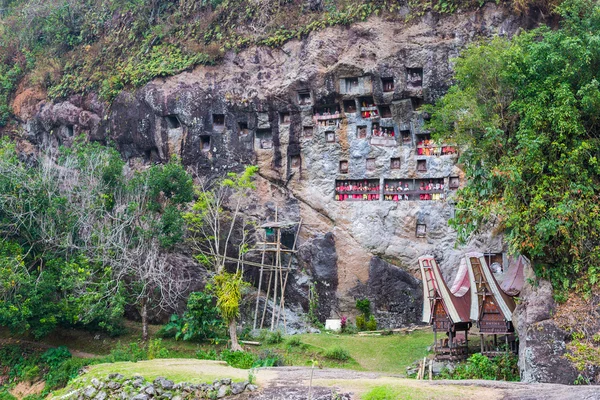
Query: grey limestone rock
[(223, 391), (89, 392)]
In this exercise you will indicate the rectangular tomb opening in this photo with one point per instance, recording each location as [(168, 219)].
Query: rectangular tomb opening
[(357, 190)]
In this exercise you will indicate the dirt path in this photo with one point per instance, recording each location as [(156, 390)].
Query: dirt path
[(291, 383), (43, 346)]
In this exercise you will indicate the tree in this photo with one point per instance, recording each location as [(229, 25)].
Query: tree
[(219, 233), (79, 238), (526, 113)]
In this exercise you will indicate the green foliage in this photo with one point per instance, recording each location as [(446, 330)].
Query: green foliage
[(56, 356), (525, 111), (228, 289), (5, 395), (361, 324), (238, 359), (479, 366), (337, 353), (207, 355), (313, 304), (268, 358), (156, 349), (364, 306), (371, 324), (584, 354), (59, 376), (201, 319), (274, 337), (294, 341)]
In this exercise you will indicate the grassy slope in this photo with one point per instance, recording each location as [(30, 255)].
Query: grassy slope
[(390, 354)]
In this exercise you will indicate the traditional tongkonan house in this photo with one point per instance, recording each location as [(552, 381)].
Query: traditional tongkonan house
[(448, 311), (493, 306)]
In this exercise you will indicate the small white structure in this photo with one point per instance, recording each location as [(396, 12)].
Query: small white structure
[(333, 324)]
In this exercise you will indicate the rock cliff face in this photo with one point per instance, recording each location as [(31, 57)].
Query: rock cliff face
[(338, 109), (542, 343)]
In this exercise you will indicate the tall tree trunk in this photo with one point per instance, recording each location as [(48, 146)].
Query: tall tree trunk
[(144, 319), (235, 346)]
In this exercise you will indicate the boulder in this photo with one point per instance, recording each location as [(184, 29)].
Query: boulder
[(542, 344)]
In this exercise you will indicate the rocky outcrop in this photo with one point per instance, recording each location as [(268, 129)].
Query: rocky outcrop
[(272, 107), (393, 292), (542, 343)]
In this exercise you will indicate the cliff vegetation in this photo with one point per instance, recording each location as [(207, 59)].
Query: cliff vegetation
[(104, 46)]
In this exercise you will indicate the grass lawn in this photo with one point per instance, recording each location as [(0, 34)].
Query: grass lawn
[(391, 353)]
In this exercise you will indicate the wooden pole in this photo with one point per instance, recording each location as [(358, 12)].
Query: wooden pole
[(260, 277), (282, 308), (481, 343), (277, 265), (430, 370), (262, 320)]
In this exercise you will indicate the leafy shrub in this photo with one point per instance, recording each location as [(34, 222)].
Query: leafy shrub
[(371, 324), (207, 355), (134, 353), (31, 373), (5, 395), (337, 353), (156, 350), (238, 359), (361, 325), (479, 366), (268, 358), (381, 393), (364, 306), (274, 337), (201, 319), (56, 356), (59, 376)]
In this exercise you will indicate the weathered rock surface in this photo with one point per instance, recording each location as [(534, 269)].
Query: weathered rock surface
[(258, 107), (542, 344)]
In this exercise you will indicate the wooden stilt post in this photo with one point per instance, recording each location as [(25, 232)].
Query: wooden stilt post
[(287, 272), (277, 273), (260, 277), (262, 320), (481, 343)]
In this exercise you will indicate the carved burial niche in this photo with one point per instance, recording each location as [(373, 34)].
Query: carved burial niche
[(351, 85), (361, 132), (357, 190), (264, 139), (343, 166), (218, 122), (330, 136), (304, 98), (387, 84), (385, 111), (173, 121), (307, 131), (414, 78), (421, 231), (453, 182), (406, 138), (370, 164), (422, 165), (243, 129), (394, 163), (295, 161), (205, 143), (350, 106), (284, 118)]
